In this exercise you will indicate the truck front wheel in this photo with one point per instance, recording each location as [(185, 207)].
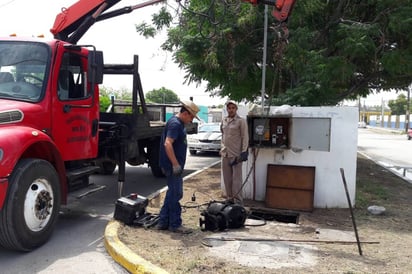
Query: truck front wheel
[(29, 215)]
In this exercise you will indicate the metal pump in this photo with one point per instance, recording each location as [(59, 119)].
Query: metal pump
[(220, 216)]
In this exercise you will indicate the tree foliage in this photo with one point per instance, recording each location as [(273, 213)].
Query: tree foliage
[(399, 106), (106, 93), (162, 96), (337, 49)]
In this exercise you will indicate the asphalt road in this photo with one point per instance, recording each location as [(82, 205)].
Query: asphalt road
[(77, 242), (387, 148)]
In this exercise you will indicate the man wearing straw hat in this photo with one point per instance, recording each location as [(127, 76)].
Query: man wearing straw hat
[(172, 159)]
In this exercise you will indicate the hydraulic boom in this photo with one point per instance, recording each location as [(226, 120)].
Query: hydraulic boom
[(282, 8), (72, 23)]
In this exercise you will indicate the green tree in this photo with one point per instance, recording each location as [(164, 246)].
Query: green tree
[(105, 94), (398, 106), (104, 99), (337, 49), (162, 96)]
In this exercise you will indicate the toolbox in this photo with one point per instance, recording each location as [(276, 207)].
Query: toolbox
[(130, 207)]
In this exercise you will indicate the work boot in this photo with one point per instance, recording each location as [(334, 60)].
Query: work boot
[(181, 229), (160, 227)]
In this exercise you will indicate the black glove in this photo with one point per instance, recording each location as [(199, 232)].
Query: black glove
[(243, 156), (177, 170), (235, 161)]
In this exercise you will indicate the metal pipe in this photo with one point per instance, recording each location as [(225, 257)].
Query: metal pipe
[(265, 35), (408, 107), (351, 210)]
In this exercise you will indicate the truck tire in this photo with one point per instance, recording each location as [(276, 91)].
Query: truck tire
[(32, 205), (153, 153), (107, 167)]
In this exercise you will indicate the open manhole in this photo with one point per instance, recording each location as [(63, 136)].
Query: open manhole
[(274, 215)]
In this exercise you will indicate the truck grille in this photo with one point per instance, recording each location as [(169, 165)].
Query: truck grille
[(11, 116)]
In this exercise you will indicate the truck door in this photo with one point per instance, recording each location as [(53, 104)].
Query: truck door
[(75, 108)]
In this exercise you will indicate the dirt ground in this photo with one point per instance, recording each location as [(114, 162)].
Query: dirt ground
[(386, 240)]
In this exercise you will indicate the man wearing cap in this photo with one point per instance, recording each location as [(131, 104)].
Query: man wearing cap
[(234, 151), (172, 158)]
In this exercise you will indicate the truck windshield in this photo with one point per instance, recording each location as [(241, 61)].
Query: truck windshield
[(22, 70)]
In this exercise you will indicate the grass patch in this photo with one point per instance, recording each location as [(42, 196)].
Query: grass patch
[(370, 192)]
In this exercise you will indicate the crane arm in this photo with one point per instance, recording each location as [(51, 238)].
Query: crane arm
[(281, 8), (73, 22)]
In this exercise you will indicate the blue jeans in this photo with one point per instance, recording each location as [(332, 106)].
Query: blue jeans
[(171, 212)]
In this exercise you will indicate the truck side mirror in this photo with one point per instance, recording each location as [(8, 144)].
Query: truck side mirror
[(95, 67)]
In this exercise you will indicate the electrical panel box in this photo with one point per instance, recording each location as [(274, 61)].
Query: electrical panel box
[(269, 131), (311, 133)]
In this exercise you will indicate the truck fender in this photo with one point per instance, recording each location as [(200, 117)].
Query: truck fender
[(18, 142)]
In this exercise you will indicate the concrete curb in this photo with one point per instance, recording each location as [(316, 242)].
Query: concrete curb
[(124, 255)]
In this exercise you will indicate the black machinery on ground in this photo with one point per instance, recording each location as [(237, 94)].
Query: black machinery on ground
[(131, 210), (220, 216)]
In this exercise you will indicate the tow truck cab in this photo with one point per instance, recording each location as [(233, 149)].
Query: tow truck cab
[(49, 116), (49, 103)]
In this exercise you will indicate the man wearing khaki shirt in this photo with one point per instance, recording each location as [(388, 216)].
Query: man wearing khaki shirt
[(234, 151)]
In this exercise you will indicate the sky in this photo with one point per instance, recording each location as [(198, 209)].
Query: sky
[(376, 99), (118, 40)]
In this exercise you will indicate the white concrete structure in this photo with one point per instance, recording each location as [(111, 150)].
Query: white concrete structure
[(320, 137)]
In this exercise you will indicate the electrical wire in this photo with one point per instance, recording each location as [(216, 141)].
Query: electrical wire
[(211, 16), (193, 205), (253, 217)]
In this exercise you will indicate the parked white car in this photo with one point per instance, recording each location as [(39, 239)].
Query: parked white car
[(208, 139)]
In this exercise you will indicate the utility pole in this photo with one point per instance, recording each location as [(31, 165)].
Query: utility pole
[(408, 106), (265, 34), (383, 112)]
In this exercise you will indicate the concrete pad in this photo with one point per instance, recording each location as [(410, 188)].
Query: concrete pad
[(269, 254), (335, 235)]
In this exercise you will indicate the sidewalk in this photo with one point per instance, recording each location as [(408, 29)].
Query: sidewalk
[(392, 130)]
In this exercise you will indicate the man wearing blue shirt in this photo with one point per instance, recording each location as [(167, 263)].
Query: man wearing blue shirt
[(172, 159)]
